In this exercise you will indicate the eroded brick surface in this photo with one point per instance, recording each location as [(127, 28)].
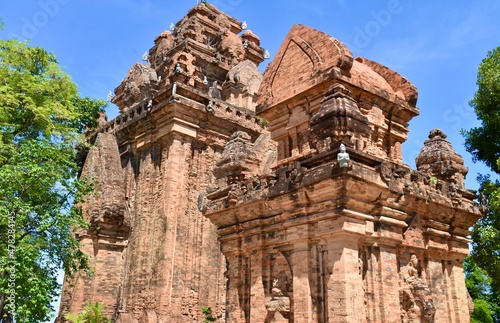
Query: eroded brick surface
[(156, 257), (375, 241), (221, 187)]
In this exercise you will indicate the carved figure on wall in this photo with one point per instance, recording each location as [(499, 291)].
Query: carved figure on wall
[(177, 68), (279, 304), (214, 92), (174, 90), (416, 301), (343, 157)]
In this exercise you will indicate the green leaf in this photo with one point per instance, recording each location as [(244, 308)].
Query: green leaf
[(90, 314)]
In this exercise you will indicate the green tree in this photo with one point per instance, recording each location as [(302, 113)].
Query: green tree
[(483, 143), (42, 118), (90, 314), (482, 292), (482, 312)]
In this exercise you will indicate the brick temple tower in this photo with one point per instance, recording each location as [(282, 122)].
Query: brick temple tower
[(280, 197), (341, 230), (155, 256)]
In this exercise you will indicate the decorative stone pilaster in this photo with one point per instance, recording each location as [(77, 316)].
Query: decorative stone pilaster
[(301, 268), (302, 300), (389, 278), (457, 291), (258, 310), (345, 301), (235, 293), (435, 272)]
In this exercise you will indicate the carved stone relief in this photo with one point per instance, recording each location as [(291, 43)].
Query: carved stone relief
[(416, 301)]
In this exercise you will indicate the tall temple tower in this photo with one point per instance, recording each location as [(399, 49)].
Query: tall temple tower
[(280, 197), (154, 255)]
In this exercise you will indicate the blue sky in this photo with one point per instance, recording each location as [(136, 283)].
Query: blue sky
[(437, 45)]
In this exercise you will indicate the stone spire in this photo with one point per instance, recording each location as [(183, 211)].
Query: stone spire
[(338, 119), (237, 160), (107, 208), (200, 50), (438, 159)]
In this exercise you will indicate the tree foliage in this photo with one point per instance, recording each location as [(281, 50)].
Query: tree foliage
[(485, 296), (482, 312), (483, 143), (42, 118), (90, 314)]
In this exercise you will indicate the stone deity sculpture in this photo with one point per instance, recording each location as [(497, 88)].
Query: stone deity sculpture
[(278, 307), (343, 157), (416, 299)]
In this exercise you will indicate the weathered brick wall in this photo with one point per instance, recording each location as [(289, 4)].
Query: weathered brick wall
[(174, 264), (162, 260), (105, 240), (370, 240)]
